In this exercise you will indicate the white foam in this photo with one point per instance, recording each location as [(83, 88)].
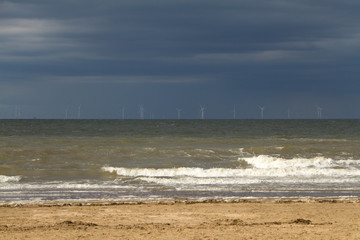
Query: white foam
[(199, 181), (168, 172), (4, 179), (274, 170), (243, 181), (150, 149), (269, 162), (204, 150), (264, 170), (64, 185), (238, 151)]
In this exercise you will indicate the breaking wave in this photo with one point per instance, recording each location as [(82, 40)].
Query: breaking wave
[(261, 169), (228, 172), (4, 179), (270, 162), (258, 166)]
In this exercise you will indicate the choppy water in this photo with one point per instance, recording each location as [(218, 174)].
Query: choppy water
[(156, 159)]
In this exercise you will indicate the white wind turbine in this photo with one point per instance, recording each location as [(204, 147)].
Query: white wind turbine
[(202, 110), (179, 113), (141, 110), (261, 111), (319, 112), (17, 113), (288, 113), (79, 111)]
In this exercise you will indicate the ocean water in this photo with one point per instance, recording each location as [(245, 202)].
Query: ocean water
[(177, 159)]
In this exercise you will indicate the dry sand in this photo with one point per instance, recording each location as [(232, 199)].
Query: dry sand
[(296, 219)]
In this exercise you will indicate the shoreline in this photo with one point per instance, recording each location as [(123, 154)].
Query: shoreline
[(184, 219), (111, 202)]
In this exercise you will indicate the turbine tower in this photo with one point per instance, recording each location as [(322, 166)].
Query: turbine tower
[(141, 110), (234, 113), (202, 110), (179, 113), (151, 116), (288, 113), (79, 111), (261, 111), (17, 113), (123, 113), (319, 112)]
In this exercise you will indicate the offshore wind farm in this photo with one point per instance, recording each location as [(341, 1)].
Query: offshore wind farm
[(80, 112)]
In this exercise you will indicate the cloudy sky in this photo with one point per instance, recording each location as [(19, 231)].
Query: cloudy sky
[(286, 55)]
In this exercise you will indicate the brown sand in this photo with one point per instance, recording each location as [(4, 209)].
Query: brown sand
[(237, 220)]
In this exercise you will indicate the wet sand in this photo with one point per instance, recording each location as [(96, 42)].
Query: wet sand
[(255, 219)]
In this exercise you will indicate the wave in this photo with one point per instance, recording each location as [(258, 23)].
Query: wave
[(270, 162), (233, 179), (243, 181), (65, 185), (263, 168), (171, 172), (4, 179)]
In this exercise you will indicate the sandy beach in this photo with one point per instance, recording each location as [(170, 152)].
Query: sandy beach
[(256, 219)]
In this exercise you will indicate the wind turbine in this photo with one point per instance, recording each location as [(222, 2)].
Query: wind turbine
[(319, 112), (151, 115), (288, 112), (16, 113), (234, 112), (261, 111), (179, 113), (79, 111), (123, 113), (141, 110), (202, 110)]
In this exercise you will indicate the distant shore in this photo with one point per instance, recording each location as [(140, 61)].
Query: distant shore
[(277, 218)]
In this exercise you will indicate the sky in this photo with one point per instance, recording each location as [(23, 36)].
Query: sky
[(103, 57)]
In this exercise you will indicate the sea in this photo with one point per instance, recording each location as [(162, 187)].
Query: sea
[(150, 160)]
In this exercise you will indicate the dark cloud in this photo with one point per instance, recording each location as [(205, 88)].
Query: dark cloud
[(214, 52)]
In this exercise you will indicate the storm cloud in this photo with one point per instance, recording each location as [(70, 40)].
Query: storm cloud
[(109, 55)]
